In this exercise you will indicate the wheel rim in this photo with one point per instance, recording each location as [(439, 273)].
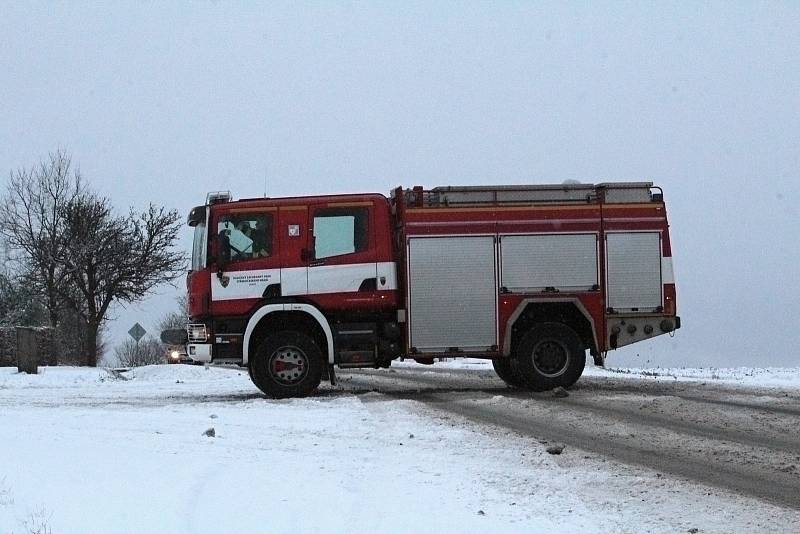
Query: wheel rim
[(550, 358), (288, 365)]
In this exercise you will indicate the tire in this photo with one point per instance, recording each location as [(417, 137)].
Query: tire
[(287, 364), (250, 373), (549, 355), (502, 366)]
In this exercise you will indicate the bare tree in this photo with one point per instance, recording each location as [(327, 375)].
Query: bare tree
[(19, 305), (5, 256), (72, 331), (116, 258), (148, 351), (31, 222), (175, 319)]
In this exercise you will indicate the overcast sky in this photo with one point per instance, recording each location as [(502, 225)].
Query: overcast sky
[(164, 102)]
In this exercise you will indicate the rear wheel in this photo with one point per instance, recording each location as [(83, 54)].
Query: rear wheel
[(548, 356), (502, 366), (287, 364)]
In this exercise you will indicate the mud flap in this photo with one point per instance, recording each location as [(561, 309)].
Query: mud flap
[(331, 374), (599, 359)]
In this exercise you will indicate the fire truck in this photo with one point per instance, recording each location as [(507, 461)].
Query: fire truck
[(530, 277)]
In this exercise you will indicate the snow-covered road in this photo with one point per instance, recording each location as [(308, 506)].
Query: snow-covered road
[(412, 448), (732, 438)]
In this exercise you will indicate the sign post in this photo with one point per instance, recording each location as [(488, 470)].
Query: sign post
[(137, 332), (27, 351)]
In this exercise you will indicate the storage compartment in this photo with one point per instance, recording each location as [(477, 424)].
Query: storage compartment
[(633, 261), (560, 261), (453, 293)]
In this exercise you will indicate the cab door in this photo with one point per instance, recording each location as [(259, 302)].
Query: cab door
[(246, 238), (343, 256), (293, 236)]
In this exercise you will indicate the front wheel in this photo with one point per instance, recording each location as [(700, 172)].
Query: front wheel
[(549, 355), (287, 364)]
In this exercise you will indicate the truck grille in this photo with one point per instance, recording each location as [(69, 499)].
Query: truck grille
[(197, 333)]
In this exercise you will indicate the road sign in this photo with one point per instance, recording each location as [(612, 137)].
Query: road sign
[(137, 331)]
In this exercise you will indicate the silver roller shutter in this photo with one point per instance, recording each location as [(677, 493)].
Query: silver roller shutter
[(453, 293), (534, 262), (634, 270)]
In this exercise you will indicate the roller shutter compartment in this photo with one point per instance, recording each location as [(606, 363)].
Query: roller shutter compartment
[(633, 262), (562, 261), (452, 293)]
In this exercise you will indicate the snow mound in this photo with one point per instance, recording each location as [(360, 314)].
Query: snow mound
[(52, 377), (170, 373), (80, 377)]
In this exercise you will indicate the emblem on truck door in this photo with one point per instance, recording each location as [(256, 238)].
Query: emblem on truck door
[(224, 280)]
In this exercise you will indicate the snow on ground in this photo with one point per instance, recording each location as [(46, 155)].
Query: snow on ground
[(84, 451), (784, 377)]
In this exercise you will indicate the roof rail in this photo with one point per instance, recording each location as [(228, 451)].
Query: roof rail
[(618, 192)]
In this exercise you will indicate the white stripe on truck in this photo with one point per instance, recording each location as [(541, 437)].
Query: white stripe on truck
[(302, 281), (667, 274)]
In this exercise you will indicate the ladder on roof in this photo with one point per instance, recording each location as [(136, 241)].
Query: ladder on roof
[(616, 192)]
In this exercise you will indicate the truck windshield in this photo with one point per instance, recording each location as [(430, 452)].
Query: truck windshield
[(199, 247)]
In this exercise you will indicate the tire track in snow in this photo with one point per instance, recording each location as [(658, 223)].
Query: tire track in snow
[(715, 430), (688, 389), (466, 377), (700, 392), (755, 481), (709, 456), (633, 415)]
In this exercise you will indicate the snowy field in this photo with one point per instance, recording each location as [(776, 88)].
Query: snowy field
[(85, 451)]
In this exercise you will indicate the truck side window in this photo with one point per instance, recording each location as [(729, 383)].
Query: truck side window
[(339, 231), (249, 236)]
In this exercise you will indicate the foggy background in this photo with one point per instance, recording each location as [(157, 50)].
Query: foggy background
[(164, 103)]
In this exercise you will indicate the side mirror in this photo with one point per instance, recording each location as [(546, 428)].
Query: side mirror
[(196, 216)]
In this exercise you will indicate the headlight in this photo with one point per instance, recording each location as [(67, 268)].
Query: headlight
[(175, 355)]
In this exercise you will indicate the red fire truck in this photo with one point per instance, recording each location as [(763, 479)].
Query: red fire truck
[(530, 277)]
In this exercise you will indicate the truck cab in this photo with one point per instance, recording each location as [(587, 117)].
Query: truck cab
[(322, 266)]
